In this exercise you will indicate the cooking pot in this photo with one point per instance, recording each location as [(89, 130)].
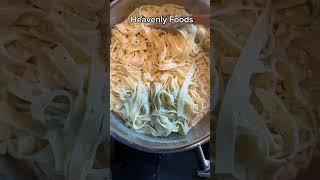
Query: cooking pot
[(200, 133)]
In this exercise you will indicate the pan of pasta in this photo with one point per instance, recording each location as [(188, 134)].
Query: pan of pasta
[(159, 80)]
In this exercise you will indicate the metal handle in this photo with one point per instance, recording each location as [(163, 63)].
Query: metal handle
[(205, 172)]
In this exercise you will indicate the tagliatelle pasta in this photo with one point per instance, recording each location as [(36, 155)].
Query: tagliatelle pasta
[(268, 58), (160, 80), (52, 88)]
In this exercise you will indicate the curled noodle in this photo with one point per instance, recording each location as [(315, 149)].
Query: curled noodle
[(159, 80)]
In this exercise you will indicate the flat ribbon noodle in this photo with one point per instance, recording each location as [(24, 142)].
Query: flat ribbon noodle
[(159, 80), (52, 88)]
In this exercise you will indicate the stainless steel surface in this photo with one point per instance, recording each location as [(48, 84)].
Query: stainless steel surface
[(200, 133), (205, 172)]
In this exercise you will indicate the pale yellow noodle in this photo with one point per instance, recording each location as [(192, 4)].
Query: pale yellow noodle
[(159, 80)]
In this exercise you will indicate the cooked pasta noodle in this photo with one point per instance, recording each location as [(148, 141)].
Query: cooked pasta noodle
[(52, 84), (159, 80), (269, 120)]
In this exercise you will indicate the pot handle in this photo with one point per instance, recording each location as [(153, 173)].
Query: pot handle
[(205, 164)]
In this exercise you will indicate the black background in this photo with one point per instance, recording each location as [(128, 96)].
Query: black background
[(128, 163)]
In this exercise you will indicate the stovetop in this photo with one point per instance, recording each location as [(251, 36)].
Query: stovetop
[(128, 163)]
